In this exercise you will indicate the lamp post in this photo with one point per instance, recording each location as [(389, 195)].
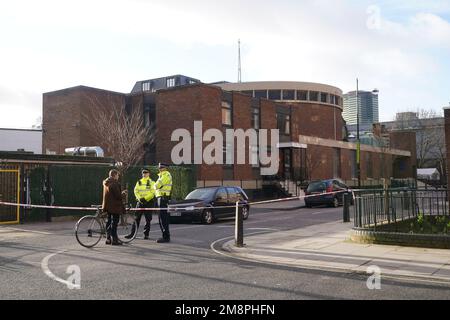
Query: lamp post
[(358, 143)]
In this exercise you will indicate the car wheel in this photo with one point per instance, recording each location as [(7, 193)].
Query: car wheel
[(335, 202), (208, 217), (245, 213)]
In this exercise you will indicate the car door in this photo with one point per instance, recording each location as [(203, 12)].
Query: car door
[(221, 202)]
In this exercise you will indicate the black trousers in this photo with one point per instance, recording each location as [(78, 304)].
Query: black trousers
[(147, 215), (164, 216), (111, 226)]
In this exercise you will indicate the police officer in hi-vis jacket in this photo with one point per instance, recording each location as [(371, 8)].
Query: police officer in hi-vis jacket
[(145, 195), (163, 191)]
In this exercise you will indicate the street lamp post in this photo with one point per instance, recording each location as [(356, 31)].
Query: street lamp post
[(358, 143)]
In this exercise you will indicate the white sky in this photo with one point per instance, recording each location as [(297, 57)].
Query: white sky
[(400, 47)]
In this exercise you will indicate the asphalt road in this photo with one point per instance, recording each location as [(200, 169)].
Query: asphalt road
[(35, 258)]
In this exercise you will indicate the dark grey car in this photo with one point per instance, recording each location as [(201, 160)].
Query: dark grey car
[(206, 205)]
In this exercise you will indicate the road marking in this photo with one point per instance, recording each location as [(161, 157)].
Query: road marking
[(45, 268), (404, 278), (26, 230)]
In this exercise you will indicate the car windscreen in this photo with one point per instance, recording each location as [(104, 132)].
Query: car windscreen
[(317, 186), (201, 194)]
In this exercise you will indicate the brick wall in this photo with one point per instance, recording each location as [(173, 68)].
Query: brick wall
[(60, 121)]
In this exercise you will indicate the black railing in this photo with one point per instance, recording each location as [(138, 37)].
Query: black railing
[(373, 208)]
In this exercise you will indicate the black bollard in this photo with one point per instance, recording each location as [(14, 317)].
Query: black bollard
[(346, 210), (239, 228)]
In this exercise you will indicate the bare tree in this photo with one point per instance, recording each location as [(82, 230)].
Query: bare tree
[(430, 137), (120, 130)]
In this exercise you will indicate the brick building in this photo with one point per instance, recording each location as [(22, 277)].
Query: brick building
[(308, 115)]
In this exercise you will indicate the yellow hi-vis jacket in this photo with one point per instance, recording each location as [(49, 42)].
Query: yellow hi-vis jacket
[(163, 186), (144, 189)]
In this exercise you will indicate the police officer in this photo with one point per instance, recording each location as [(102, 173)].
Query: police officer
[(145, 193), (163, 191)]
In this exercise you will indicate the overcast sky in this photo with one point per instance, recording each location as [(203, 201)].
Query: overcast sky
[(401, 47)]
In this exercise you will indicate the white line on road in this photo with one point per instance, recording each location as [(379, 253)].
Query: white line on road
[(26, 230), (44, 267)]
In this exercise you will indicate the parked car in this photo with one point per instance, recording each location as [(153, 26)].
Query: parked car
[(209, 204), (330, 192)]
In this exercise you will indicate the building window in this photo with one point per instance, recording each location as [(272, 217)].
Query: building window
[(332, 99), (302, 95), (337, 163), (170, 82), (353, 164), (226, 114), (313, 96), (146, 86), (256, 119), (254, 156), (323, 97), (287, 125), (369, 165), (275, 94), (261, 94), (284, 123), (288, 94), (228, 153), (248, 92)]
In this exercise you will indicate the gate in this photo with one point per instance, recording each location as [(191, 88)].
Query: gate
[(9, 192)]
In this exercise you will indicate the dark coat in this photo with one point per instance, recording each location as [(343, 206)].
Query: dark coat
[(112, 197)]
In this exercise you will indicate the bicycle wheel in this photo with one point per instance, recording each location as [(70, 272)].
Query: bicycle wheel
[(126, 225), (88, 231)]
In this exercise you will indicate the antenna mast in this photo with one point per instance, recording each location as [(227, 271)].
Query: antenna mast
[(239, 61)]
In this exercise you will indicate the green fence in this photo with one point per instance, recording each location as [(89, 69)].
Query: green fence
[(81, 186)]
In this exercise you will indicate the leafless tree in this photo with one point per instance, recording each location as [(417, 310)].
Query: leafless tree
[(430, 136), (119, 130)]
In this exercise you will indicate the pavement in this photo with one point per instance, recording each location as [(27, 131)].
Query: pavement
[(328, 247)]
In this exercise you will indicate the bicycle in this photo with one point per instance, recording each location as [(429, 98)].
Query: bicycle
[(90, 229)]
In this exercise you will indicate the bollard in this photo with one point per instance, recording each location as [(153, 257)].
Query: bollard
[(239, 228), (346, 210)]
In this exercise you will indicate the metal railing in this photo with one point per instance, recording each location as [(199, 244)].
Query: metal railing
[(373, 208)]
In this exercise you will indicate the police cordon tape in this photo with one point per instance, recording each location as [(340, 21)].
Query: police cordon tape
[(187, 208)]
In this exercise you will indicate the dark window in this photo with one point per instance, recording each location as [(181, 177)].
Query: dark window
[(226, 114), (284, 123), (256, 120), (287, 125), (323, 97), (222, 195), (233, 197), (332, 99), (288, 94), (227, 153), (248, 92), (369, 165), (275, 94), (302, 95), (313, 96), (260, 93)]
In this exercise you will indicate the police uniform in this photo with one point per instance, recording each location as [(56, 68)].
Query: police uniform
[(163, 191), (145, 195)]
